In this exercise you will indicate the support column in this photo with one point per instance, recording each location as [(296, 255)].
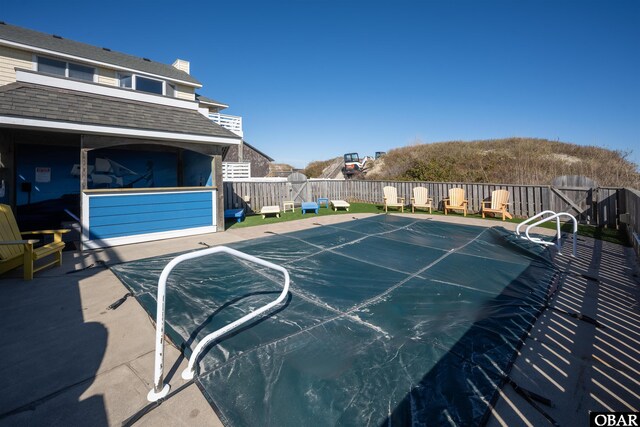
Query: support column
[(216, 175), (7, 170), (84, 169), (84, 183), (241, 151)]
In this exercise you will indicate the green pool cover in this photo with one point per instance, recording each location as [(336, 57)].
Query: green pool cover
[(389, 321)]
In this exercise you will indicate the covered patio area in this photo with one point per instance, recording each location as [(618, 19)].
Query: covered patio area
[(67, 154)]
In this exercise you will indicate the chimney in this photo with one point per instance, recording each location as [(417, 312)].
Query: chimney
[(181, 65)]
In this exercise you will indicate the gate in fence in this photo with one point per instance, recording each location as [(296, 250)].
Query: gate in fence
[(299, 189)]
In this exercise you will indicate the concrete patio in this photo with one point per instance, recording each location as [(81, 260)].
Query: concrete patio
[(68, 360)]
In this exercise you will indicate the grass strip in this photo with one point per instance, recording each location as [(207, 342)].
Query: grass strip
[(601, 233)]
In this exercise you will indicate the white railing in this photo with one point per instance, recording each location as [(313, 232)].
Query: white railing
[(159, 390), (234, 170), (233, 123), (530, 219), (553, 216)]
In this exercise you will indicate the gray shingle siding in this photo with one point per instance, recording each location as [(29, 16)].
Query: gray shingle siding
[(32, 101), (46, 41), (259, 161)]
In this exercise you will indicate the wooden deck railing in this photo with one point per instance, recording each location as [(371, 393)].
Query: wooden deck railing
[(234, 170), (233, 123), (598, 206)]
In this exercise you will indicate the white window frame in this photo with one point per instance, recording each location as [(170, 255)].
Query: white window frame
[(119, 75), (134, 78), (66, 67)]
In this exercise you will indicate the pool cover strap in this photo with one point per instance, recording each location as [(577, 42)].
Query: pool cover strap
[(119, 302), (532, 398)]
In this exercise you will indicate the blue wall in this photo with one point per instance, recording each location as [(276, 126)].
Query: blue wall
[(128, 215), (197, 169), (129, 168), (59, 159), (151, 168)]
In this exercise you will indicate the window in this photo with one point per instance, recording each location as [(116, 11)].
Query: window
[(81, 72), (51, 66), (65, 69), (147, 85), (126, 80), (171, 90)]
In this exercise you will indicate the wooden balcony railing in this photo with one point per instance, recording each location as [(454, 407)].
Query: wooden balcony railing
[(233, 123)]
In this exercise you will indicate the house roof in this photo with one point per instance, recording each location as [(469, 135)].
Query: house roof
[(57, 44), (204, 100), (257, 151), (63, 106)]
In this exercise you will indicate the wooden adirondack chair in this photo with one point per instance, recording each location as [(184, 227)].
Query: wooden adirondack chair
[(391, 198), (16, 252), (498, 204), (421, 199), (455, 201)]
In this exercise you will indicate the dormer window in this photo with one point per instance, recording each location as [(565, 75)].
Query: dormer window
[(52, 66), (126, 80), (65, 69), (82, 72), (144, 84)]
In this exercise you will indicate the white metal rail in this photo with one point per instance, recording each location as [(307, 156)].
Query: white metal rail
[(530, 219), (553, 216), (160, 390)]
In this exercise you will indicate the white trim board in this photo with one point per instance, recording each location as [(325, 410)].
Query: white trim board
[(139, 238), (113, 131)]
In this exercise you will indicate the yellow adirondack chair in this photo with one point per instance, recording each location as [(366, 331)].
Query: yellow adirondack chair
[(421, 199), (16, 252), (455, 201), (498, 204), (391, 198)]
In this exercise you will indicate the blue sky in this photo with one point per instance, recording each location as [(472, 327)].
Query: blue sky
[(316, 79)]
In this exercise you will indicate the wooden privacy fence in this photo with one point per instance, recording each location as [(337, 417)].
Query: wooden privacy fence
[(598, 206), (630, 216)]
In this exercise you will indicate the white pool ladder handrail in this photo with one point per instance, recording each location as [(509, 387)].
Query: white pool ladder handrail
[(531, 218), (558, 243), (159, 390)]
